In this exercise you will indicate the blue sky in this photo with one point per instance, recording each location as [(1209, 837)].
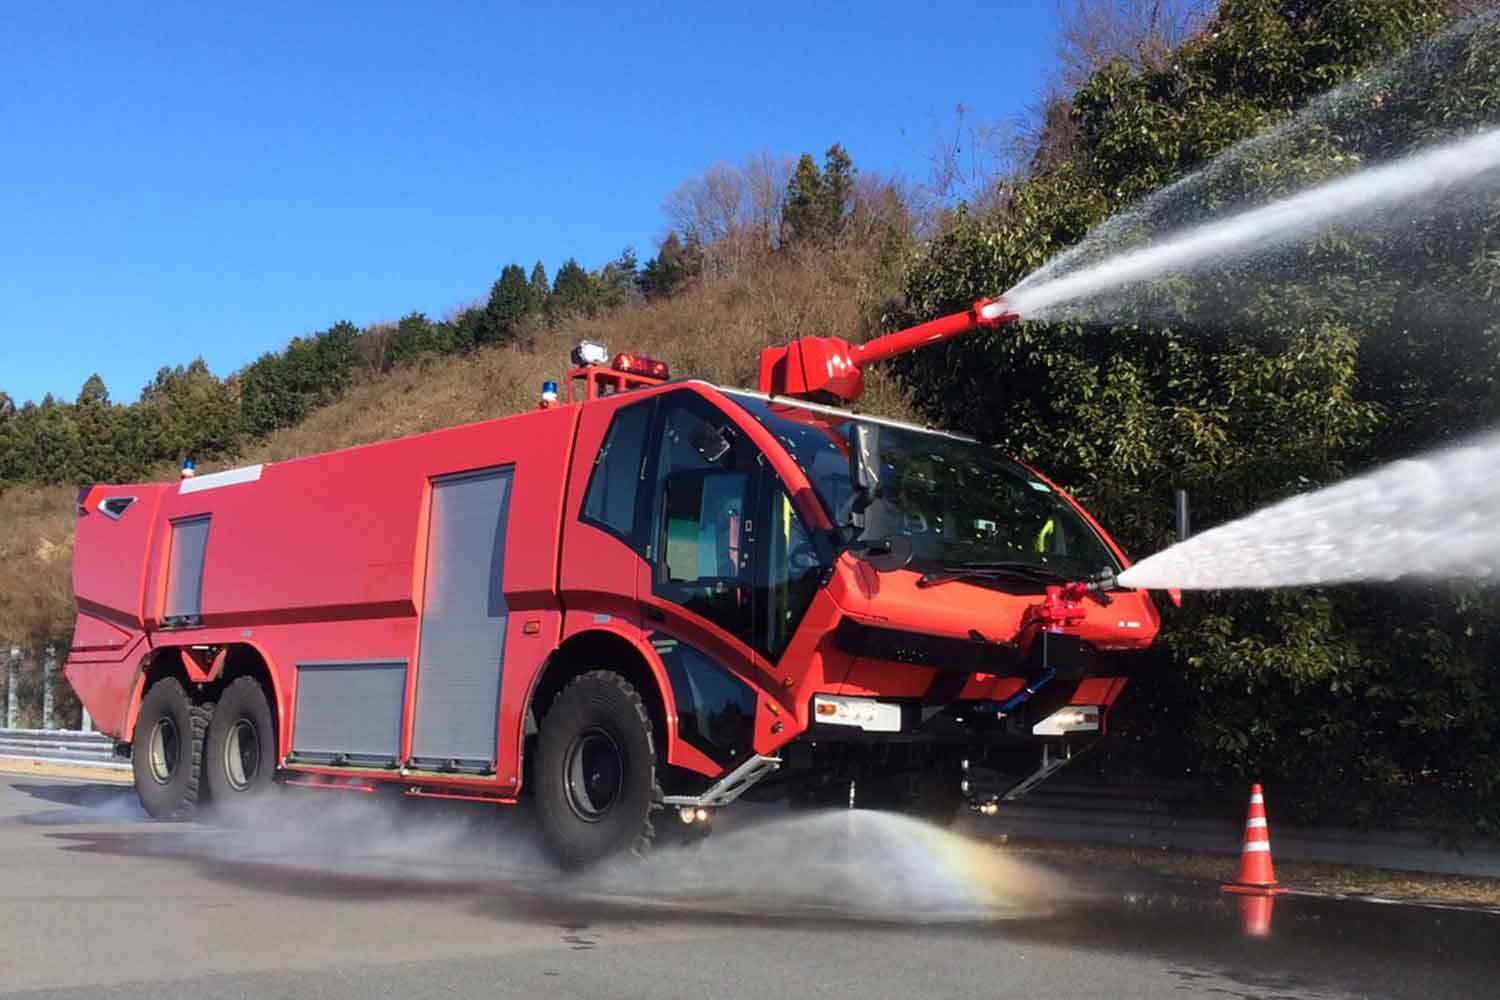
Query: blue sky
[(177, 181)]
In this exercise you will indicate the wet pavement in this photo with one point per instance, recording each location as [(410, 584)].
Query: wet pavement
[(362, 898)]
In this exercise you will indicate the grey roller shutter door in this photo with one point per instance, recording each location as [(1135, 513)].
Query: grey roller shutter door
[(464, 616), (349, 712)]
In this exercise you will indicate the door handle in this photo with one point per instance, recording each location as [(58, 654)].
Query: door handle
[(653, 614)]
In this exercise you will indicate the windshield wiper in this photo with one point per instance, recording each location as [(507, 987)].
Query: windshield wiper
[(992, 571)]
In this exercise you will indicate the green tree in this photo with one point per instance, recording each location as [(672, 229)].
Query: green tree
[(572, 289), (837, 195), (278, 389), (818, 201), (9, 455), (510, 300), (53, 440), (417, 335), (466, 330), (185, 412), (541, 291), (615, 284), (801, 214), (104, 455), (1274, 382), (665, 272)]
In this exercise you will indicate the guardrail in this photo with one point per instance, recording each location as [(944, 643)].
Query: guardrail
[(61, 746), (1169, 816)]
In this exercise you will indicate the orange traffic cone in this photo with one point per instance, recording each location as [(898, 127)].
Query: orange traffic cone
[(1257, 877)]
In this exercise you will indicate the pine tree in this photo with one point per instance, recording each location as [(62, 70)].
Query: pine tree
[(540, 289), (572, 289), (837, 192), (615, 283), (9, 454), (510, 300), (416, 335), (666, 271), (101, 459), (804, 198), (466, 329), (185, 411)]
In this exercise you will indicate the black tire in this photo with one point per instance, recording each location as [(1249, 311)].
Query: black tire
[(594, 779), (239, 759), (167, 750)]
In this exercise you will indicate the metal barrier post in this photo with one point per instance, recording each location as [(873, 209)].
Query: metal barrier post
[(49, 676), (12, 678)]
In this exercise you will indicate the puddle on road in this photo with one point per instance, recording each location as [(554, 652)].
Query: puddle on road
[(779, 869), (819, 871), (842, 864)]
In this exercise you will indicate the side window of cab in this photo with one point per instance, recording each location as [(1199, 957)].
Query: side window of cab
[(614, 488), (794, 571), (702, 532), (726, 542)]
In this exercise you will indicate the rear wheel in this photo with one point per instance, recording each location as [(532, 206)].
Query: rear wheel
[(167, 750), (239, 762), (594, 778)]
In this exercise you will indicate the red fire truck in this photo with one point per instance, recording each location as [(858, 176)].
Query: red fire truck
[(635, 605)]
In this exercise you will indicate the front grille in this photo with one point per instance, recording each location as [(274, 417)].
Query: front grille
[(920, 649)]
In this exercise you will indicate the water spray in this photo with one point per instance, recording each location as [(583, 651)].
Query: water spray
[(1433, 517), (1432, 171)]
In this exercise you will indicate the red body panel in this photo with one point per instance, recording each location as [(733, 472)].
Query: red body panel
[(324, 559), (321, 559)]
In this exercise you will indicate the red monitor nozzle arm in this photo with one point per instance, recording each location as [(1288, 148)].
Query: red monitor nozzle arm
[(827, 369)]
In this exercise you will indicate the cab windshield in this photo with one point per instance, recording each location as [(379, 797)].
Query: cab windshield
[(956, 500)]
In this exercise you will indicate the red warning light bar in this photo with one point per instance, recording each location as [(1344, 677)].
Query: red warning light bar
[(635, 364)]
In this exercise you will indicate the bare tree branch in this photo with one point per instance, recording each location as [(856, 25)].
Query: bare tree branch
[(1093, 33)]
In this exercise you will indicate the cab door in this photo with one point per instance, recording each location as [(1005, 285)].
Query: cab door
[(699, 569), (698, 580)]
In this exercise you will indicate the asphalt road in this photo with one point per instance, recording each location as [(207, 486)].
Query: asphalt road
[(329, 898)]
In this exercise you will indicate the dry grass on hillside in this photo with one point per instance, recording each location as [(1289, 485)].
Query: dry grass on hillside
[(714, 330), (36, 551)]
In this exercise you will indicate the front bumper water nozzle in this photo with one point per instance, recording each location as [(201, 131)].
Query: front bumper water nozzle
[(1103, 581), (1070, 595)]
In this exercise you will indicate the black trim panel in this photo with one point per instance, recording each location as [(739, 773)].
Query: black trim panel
[(715, 709), (920, 649), (1068, 655)]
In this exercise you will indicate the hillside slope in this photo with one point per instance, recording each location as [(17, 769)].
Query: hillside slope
[(714, 331)]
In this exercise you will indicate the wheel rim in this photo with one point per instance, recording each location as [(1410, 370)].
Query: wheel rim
[(163, 749), (594, 773), (241, 755)]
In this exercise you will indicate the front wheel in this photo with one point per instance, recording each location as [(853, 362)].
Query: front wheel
[(594, 779), (239, 760)]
